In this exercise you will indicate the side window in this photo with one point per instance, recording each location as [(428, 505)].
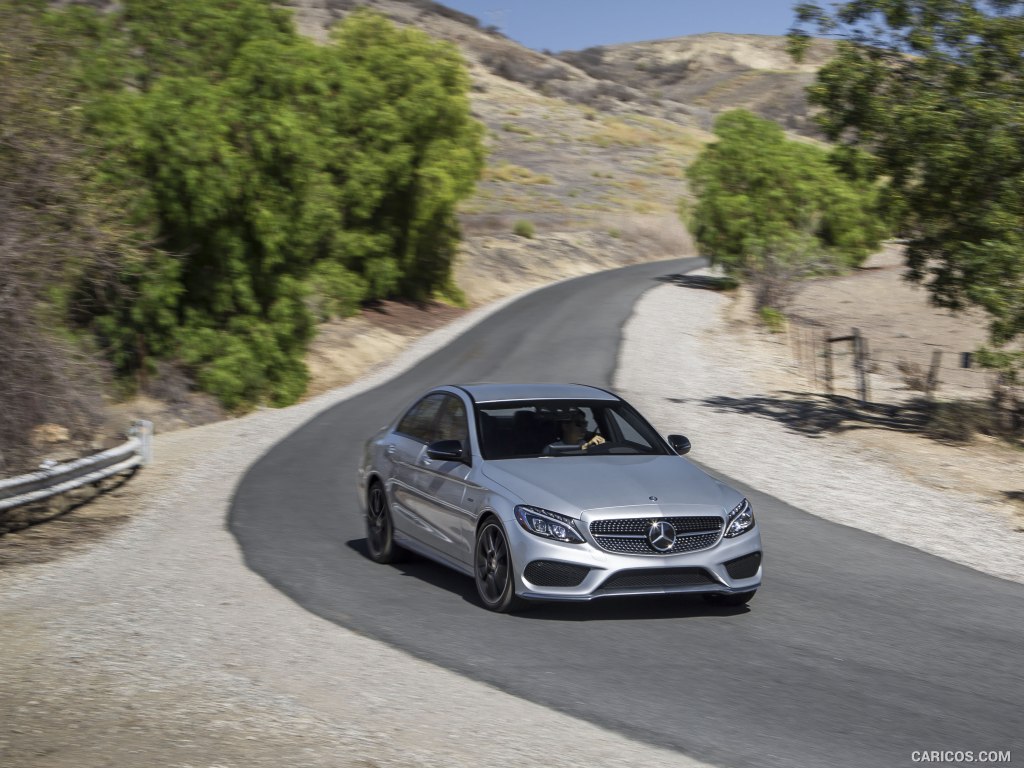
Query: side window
[(452, 424), (418, 423)]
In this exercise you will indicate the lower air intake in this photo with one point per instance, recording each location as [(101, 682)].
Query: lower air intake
[(744, 567), (655, 578), (547, 573)]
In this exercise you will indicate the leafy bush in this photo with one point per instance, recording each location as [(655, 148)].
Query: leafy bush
[(772, 319), (279, 177), (930, 92), (523, 228), (776, 210), (333, 291)]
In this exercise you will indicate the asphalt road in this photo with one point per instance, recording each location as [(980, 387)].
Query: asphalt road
[(856, 652)]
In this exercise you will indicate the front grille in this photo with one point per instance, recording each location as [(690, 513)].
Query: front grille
[(640, 578), (547, 573), (630, 535), (744, 567)]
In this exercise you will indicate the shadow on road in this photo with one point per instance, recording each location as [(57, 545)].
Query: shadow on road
[(647, 608), (428, 571), (606, 609)]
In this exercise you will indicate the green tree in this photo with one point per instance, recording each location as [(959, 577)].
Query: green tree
[(276, 175), (774, 210), (934, 90), (410, 152)]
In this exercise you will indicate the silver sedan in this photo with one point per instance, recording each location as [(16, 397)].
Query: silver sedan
[(553, 492)]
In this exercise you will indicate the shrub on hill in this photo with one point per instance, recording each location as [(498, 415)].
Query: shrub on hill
[(773, 210), (272, 176)]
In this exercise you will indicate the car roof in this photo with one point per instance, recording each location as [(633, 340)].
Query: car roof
[(496, 393)]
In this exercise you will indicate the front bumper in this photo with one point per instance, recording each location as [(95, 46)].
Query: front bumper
[(610, 574)]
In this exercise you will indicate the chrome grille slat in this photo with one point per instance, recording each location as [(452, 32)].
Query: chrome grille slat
[(629, 535)]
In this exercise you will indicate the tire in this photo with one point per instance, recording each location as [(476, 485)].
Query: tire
[(736, 599), (380, 528), (492, 569)]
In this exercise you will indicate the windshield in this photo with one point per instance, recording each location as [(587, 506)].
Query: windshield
[(536, 428)]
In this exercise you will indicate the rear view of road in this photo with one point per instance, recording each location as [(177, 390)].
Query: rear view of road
[(857, 652)]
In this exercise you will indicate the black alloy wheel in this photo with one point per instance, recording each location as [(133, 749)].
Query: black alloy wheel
[(493, 570), (380, 530)]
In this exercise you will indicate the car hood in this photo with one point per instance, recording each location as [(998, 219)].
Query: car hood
[(574, 484)]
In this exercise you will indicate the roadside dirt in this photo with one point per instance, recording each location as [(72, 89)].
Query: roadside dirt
[(902, 328)]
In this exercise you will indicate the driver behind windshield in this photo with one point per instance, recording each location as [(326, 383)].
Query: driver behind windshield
[(575, 434)]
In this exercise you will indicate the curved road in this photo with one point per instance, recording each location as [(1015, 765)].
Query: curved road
[(857, 651)]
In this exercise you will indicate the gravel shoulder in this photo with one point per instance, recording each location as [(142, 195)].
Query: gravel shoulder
[(689, 368)]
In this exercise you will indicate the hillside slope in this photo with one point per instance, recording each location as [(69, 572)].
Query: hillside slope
[(714, 72), (597, 171), (588, 151)]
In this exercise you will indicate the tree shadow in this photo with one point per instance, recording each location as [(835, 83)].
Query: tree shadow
[(704, 282), (632, 608), (820, 415)]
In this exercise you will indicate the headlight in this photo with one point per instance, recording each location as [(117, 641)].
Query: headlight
[(550, 525), (741, 519)]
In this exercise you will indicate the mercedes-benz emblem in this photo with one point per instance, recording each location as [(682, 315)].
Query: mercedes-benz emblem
[(662, 535)]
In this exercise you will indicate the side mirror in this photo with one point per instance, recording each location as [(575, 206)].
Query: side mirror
[(446, 450), (679, 444)]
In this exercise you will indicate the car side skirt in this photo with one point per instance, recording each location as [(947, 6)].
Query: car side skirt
[(417, 546)]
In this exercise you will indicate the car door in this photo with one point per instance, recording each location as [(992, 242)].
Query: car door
[(441, 485), (406, 443)]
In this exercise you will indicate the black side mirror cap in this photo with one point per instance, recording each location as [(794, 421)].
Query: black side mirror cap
[(680, 444), (446, 450)]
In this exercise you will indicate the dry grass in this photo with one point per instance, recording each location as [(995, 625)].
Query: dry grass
[(616, 133), (674, 135), (636, 204), (516, 174), (660, 235), (645, 131), (720, 90), (514, 128), (667, 167)]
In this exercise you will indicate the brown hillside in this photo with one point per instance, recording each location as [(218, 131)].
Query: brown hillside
[(713, 73)]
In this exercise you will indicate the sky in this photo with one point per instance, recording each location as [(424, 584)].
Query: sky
[(562, 25)]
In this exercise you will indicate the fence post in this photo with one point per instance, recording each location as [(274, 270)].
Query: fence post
[(814, 356), (865, 365), (143, 429), (933, 374), (858, 365), (828, 363)]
